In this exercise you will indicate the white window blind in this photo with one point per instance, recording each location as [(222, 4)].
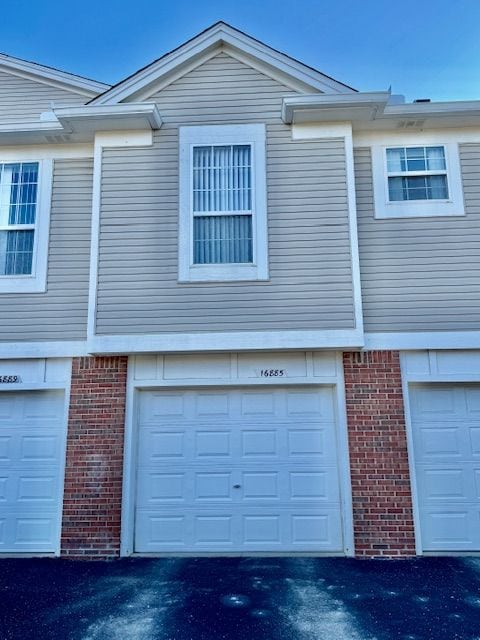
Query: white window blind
[(222, 204), (18, 207)]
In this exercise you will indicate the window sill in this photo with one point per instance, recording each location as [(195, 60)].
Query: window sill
[(223, 273), (25, 284), (418, 209)]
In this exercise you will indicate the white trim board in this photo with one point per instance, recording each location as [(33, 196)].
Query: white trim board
[(148, 372), (67, 349), (411, 459), (218, 341), (422, 340), (46, 151), (405, 137)]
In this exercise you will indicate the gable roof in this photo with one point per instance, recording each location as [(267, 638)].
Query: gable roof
[(207, 43), (51, 76)]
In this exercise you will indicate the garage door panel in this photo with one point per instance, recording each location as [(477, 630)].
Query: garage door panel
[(451, 529), (224, 443), (446, 434), (243, 469), (25, 449), (29, 533), (246, 529), (265, 485), (32, 438), (453, 484)]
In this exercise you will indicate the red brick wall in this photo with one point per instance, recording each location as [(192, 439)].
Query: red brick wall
[(93, 475), (382, 503)]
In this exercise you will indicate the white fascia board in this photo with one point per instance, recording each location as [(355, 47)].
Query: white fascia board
[(67, 349), (218, 35), (433, 109), (30, 127), (55, 77), (363, 106), (412, 341), (108, 117), (219, 341)]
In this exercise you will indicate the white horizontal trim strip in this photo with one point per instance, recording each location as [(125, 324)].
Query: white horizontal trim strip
[(235, 341), (43, 349), (50, 152), (405, 138), (423, 340)]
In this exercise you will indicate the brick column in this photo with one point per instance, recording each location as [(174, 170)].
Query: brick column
[(94, 465), (382, 502)]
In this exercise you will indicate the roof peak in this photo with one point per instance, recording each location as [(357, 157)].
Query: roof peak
[(220, 33)]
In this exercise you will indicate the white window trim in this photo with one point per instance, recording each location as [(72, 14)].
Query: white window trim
[(253, 135), (36, 282), (384, 208)]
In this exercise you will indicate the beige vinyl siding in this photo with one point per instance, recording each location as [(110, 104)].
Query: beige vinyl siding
[(420, 274), (310, 284), (61, 312), (23, 100)]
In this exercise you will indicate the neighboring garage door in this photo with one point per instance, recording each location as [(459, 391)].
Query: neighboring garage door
[(251, 469), (32, 440), (446, 434)]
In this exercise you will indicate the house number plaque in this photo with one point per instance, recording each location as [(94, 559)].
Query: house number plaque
[(9, 379), (273, 373)]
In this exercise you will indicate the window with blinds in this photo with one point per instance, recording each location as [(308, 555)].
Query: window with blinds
[(18, 210), (222, 204)]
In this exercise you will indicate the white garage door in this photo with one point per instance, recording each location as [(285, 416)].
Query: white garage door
[(446, 428), (238, 470), (32, 438)]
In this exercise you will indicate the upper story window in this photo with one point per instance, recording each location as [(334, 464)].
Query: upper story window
[(417, 173), (24, 206), (223, 232), (18, 209), (417, 180)]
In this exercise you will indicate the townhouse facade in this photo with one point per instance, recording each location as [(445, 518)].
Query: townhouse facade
[(239, 307)]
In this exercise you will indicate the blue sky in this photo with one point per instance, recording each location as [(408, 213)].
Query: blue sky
[(422, 48)]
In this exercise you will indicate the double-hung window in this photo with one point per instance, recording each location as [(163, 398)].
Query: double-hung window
[(417, 180), (416, 173), (223, 232), (23, 225)]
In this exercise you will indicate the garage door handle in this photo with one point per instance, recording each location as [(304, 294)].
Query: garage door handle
[(237, 486)]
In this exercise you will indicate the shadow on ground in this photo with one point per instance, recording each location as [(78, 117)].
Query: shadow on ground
[(240, 598)]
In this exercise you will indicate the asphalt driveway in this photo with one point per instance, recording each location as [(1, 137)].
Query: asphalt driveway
[(240, 598)]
